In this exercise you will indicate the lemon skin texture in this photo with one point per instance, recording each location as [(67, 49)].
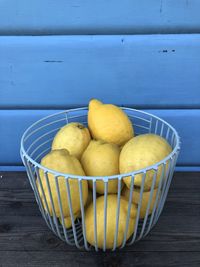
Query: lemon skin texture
[(140, 152), (62, 161), (111, 221), (101, 159), (109, 123), (74, 137), (145, 199)]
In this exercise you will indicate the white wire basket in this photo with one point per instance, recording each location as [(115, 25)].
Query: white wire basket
[(36, 143)]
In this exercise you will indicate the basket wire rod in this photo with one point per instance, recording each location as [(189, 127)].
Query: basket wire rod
[(45, 150), (52, 203), (167, 134), (150, 125), (40, 137), (75, 117), (172, 138), (71, 212), (29, 171), (150, 115), (164, 197), (41, 127), (117, 214), (166, 177), (61, 210), (78, 231), (149, 203), (38, 147), (22, 156), (156, 127), (82, 213), (71, 235), (36, 193), (66, 117), (163, 188), (158, 195), (128, 211), (35, 189), (161, 130), (105, 214), (45, 200), (169, 182), (138, 210), (95, 215), (141, 126), (156, 201), (137, 117)]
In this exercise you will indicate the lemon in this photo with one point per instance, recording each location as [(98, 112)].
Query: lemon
[(109, 123), (141, 152), (111, 221), (74, 137), (145, 199), (101, 159), (62, 161), (68, 221)]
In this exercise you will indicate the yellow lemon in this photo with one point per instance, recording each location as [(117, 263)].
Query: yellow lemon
[(62, 161), (111, 221), (74, 137), (145, 199), (68, 221), (101, 159), (109, 123), (141, 152)]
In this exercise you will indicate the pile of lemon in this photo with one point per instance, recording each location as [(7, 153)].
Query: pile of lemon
[(107, 148)]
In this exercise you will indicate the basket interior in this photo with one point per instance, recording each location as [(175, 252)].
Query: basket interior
[(38, 139)]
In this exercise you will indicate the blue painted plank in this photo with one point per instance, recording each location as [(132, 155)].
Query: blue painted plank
[(99, 17), (57, 72), (12, 169), (14, 122), (186, 122), (12, 125)]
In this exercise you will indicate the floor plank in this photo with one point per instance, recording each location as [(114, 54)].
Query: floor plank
[(31, 233), (77, 259), (25, 238)]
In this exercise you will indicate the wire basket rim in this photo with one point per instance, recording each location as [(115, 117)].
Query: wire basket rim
[(104, 178)]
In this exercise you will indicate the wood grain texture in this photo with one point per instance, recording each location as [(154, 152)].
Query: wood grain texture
[(14, 122), (26, 240), (99, 17), (78, 259), (145, 71)]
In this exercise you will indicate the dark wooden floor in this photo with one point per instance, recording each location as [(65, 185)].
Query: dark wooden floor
[(25, 240)]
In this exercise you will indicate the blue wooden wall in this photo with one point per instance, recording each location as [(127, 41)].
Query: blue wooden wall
[(58, 54)]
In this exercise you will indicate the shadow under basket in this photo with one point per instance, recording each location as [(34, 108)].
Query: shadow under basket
[(36, 143)]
